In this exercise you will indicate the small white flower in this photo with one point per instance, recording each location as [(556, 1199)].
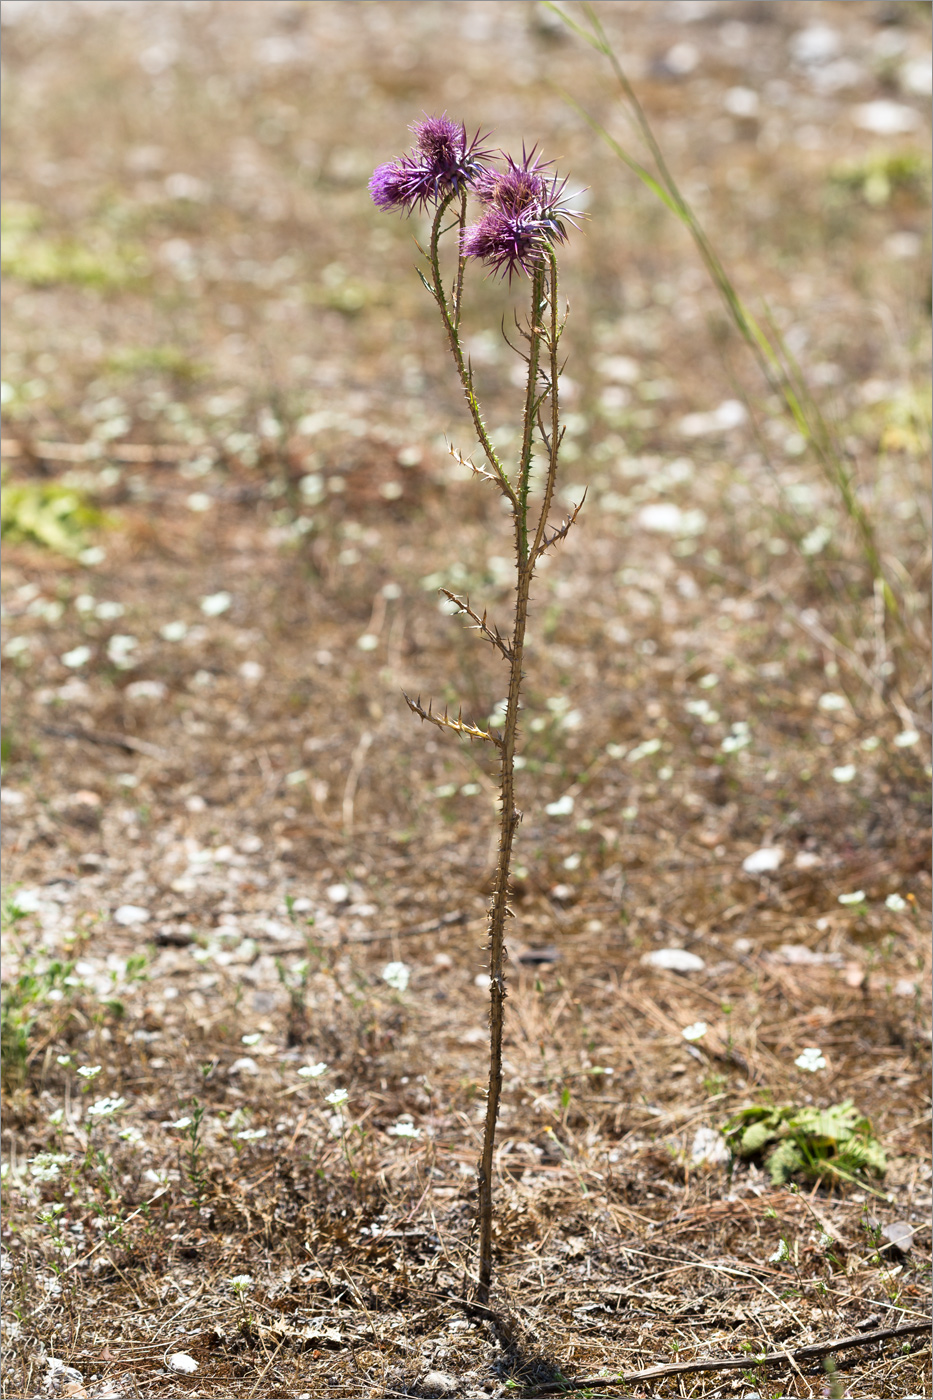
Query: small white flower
[(404, 1130), (733, 742), (253, 1039), (313, 1071), (57, 1117), (810, 1059), (708, 681), (216, 603), (368, 642), (63, 1060), (174, 631), (844, 773), (896, 903), (781, 1254), (906, 739), (252, 1134), (106, 1108), (397, 975), (338, 1097), (132, 1136), (696, 1031), (573, 862), (89, 1071), (78, 657), (240, 1281), (46, 1166), (831, 701), (855, 897), (181, 1123), (109, 612), (120, 650), (871, 743)]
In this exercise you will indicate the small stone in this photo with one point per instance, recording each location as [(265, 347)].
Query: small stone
[(245, 1065), (900, 1236), (764, 860), (438, 1383), (130, 914), (181, 1361), (708, 1147), (674, 960)]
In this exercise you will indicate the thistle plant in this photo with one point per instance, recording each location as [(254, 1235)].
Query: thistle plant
[(524, 215)]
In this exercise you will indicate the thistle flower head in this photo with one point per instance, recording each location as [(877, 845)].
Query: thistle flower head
[(442, 161), (526, 210)]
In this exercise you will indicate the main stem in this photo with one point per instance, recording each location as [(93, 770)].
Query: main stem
[(509, 815)]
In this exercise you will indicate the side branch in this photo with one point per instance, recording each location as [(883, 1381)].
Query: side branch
[(472, 731), (559, 534), (477, 471), (492, 634)]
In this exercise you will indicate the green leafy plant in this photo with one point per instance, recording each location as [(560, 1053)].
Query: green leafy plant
[(48, 514), (818, 1143)]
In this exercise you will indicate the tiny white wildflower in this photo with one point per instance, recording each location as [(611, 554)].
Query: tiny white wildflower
[(781, 1254), (252, 1134), (338, 1097), (57, 1117), (871, 743), (253, 1039), (844, 773), (895, 903), (397, 975), (368, 642), (313, 1071), (89, 1071), (573, 862), (696, 1031), (831, 701), (906, 739), (132, 1136), (240, 1281), (404, 1130), (811, 1059), (216, 603), (63, 1060), (708, 681), (47, 1166), (109, 612), (120, 650), (105, 1108), (855, 897), (79, 656), (174, 631), (181, 1123)]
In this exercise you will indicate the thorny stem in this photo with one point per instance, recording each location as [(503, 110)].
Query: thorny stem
[(543, 332)]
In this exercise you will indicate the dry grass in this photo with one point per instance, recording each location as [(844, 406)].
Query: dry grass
[(272, 759)]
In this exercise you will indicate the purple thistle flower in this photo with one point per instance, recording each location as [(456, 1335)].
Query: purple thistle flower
[(442, 162), (525, 209)]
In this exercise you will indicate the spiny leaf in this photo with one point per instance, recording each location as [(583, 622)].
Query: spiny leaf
[(458, 725), (492, 634)]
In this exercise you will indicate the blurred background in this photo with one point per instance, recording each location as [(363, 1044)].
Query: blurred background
[(228, 507)]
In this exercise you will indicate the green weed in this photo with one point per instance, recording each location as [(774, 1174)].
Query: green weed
[(818, 1143), (47, 513)]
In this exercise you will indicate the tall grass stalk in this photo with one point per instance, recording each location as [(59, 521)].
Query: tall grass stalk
[(778, 366), (523, 218)]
